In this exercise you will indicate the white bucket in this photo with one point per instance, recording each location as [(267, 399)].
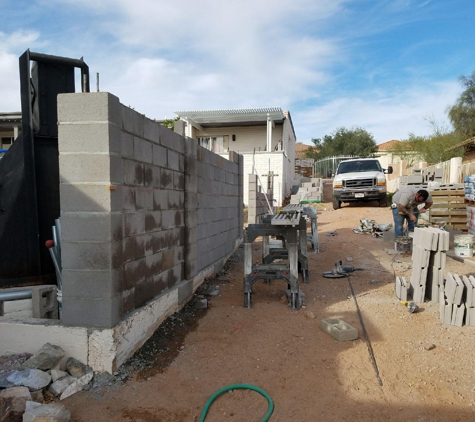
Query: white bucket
[(463, 245)]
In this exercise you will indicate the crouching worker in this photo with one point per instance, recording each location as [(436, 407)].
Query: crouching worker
[(405, 207)]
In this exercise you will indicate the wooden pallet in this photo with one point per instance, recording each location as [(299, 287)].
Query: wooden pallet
[(449, 208), (452, 187)]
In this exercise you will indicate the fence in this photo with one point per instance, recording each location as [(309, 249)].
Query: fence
[(326, 167)]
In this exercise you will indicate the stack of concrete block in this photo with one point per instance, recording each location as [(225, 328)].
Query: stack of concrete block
[(457, 300), (258, 202), (429, 251), (401, 287), (309, 192)]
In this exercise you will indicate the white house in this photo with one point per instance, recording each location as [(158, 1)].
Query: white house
[(265, 137), (10, 126)]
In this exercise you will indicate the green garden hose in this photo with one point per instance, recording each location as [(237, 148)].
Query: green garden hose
[(237, 387)]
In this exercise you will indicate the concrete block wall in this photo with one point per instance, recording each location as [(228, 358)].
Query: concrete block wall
[(257, 203), (143, 209), (219, 203)]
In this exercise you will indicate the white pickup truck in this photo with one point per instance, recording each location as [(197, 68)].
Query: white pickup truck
[(361, 179)]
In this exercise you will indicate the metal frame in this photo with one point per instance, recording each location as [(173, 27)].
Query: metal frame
[(29, 171), (290, 226)]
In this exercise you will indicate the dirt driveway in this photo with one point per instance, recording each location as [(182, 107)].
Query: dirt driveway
[(427, 370)]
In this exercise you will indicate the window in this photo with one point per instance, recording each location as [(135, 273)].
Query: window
[(7, 142), (213, 143)]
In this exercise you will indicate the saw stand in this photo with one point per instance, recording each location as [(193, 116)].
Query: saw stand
[(291, 227)]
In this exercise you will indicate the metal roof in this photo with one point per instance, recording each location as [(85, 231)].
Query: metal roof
[(206, 117), (10, 119), (10, 116)]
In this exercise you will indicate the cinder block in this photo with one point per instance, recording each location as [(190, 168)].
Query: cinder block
[(81, 168), (86, 256), (459, 290), (442, 306), (414, 180), (469, 299), (101, 313), (133, 122), (458, 313), (471, 312), (132, 173), (92, 284), (89, 198), (159, 156), (134, 223), (339, 329), (418, 275), (438, 259), (185, 291), (98, 227), (173, 160), (420, 256), (100, 137), (425, 239), (89, 107), (450, 288), (151, 130), (397, 287), (402, 287)]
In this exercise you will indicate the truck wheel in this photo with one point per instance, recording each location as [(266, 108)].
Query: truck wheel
[(336, 204), (383, 202)]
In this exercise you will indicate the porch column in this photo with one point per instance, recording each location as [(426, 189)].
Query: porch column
[(189, 129), (15, 132), (270, 125)]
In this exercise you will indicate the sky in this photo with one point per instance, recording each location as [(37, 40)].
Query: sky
[(390, 67)]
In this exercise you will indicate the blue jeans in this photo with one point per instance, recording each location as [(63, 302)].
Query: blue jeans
[(399, 221)]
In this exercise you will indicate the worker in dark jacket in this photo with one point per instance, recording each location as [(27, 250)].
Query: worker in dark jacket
[(406, 206)]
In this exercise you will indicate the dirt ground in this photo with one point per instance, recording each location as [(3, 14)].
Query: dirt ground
[(427, 370)]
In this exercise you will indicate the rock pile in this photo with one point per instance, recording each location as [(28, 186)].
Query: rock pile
[(24, 379)]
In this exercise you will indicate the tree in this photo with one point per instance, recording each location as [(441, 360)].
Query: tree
[(343, 141), (462, 113), (436, 147), (406, 150), (170, 123)]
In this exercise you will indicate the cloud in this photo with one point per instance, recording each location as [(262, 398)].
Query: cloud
[(387, 116), (319, 59), (9, 67)]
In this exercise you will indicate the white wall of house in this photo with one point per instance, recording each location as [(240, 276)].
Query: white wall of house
[(260, 163), (250, 141), (247, 138), (385, 161)]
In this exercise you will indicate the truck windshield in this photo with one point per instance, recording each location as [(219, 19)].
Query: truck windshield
[(358, 166)]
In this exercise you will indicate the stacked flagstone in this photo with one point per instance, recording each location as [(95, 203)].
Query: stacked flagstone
[(429, 253), (457, 300)]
